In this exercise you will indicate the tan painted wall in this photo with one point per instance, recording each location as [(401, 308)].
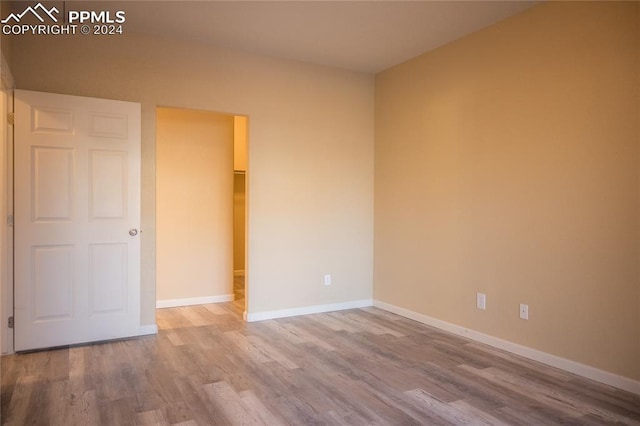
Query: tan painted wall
[(310, 191), (507, 163), (194, 210)]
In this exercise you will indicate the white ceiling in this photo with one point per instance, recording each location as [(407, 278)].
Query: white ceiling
[(366, 36)]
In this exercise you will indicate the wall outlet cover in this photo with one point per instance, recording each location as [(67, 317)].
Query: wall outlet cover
[(481, 301), (524, 311)]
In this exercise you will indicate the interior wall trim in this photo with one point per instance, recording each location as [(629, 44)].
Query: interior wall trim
[(173, 303)]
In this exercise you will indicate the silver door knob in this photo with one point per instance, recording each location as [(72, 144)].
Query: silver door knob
[(133, 232)]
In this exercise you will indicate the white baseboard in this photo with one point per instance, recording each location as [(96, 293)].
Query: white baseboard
[(172, 303), (148, 329), (525, 351), (238, 272), (306, 310)]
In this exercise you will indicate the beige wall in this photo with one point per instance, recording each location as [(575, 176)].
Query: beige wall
[(194, 210), (507, 163), (310, 191)]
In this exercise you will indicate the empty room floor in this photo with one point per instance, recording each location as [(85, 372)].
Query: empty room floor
[(357, 367)]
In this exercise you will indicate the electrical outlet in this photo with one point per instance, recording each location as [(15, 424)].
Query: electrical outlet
[(524, 311), (327, 279), (481, 301)]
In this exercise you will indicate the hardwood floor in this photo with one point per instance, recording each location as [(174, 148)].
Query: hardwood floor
[(358, 367)]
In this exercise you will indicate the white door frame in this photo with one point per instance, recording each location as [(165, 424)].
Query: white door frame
[(6, 208)]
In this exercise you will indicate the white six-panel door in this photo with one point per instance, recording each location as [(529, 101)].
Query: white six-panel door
[(77, 219)]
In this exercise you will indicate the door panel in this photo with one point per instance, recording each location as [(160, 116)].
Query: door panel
[(108, 278), (77, 195), (51, 183), (108, 185), (49, 119), (53, 282)]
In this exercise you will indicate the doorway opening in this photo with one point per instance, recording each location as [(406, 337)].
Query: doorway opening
[(200, 208), (240, 126)]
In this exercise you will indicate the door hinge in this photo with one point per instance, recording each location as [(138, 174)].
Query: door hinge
[(11, 118), (10, 221), (10, 322)]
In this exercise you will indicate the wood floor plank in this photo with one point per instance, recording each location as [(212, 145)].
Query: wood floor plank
[(216, 309), (520, 386), (152, 418), (365, 366), (258, 408), (199, 408), (186, 423), (518, 362), (551, 394), (476, 413), (363, 323), (433, 406), (17, 411), (194, 316), (272, 352), (230, 404)]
